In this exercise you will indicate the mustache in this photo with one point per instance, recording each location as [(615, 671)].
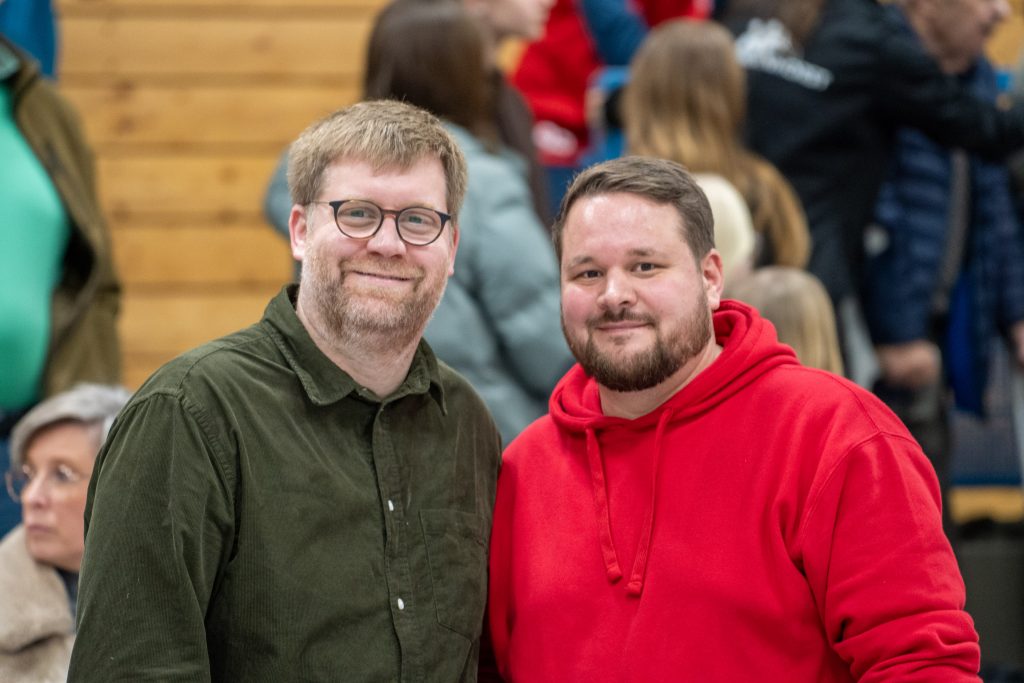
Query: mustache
[(623, 315)]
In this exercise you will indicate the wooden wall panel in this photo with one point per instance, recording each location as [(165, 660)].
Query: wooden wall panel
[(130, 117), (216, 47), (181, 189), (167, 323), (188, 104), (236, 256)]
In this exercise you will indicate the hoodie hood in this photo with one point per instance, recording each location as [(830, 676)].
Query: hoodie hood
[(750, 348)]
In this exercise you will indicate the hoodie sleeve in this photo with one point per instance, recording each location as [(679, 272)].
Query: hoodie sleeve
[(883, 575)]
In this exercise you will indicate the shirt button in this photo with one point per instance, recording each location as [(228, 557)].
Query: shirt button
[(401, 603), (391, 506)]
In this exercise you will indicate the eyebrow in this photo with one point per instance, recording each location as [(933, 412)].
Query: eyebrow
[(580, 260)]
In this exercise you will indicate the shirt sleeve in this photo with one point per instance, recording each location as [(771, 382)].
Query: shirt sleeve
[(159, 525), (882, 573), (616, 28), (914, 92)]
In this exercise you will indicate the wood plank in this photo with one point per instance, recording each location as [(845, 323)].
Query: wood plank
[(117, 46), (171, 323), (206, 188), (239, 256), (133, 117), (137, 367), (1004, 48), (79, 7)]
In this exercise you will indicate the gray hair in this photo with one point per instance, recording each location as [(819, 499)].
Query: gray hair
[(89, 404)]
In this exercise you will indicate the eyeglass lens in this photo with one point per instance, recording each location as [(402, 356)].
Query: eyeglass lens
[(416, 225), (18, 480)]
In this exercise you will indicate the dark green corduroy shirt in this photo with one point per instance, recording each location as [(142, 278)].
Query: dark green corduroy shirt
[(258, 516)]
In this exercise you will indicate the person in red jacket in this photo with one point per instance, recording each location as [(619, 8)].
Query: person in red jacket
[(698, 505)]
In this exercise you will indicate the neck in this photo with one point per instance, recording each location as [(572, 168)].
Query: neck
[(634, 404), (378, 362)]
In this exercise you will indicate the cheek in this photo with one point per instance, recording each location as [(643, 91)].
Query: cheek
[(71, 513), (577, 306)]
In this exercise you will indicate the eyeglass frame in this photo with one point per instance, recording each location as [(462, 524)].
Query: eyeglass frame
[(27, 479), (336, 205)]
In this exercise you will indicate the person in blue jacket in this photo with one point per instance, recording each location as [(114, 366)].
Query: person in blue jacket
[(944, 267)]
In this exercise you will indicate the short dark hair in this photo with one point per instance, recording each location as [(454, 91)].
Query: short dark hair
[(659, 180)]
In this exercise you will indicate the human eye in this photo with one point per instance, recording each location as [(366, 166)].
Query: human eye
[(65, 474), (645, 267), (419, 218), (358, 214), (588, 274)]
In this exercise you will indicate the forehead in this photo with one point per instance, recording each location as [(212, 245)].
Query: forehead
[(66, 440), (421, 183), (622, 220)]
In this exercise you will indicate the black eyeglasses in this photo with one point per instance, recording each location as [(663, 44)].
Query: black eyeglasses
[(360, 219)]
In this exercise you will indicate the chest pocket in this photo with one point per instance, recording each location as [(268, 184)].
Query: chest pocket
[(457, 554)]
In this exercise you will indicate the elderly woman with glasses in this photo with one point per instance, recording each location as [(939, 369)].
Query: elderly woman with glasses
[(53, 448)]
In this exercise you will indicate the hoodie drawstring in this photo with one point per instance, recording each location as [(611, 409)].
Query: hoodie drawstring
[(636, 579), (604, 520)]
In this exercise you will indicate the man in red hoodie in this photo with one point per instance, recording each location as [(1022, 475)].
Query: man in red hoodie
[(698, 505)]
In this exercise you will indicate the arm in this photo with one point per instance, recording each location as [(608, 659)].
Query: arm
[(616, 28), (882, 573), (159, 525), (277, 203), (912, 91)]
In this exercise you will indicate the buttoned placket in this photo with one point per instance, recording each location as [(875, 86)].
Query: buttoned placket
[(397, 570)]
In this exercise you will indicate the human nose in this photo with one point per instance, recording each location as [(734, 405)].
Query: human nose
[(1002, 10), (386, 241), (36, 492), (618, 292)]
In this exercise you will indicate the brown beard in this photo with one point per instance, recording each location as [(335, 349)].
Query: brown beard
[(363, 315), (647, 368)]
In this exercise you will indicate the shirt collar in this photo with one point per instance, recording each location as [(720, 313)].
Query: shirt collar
[(322, 380)]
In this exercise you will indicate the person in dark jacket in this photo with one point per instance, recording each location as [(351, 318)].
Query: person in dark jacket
[(825, 109), (944, 272)]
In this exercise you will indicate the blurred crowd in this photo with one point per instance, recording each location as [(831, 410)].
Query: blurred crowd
[(858, 158)]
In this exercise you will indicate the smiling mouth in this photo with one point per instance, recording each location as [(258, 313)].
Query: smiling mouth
[(380, 276)]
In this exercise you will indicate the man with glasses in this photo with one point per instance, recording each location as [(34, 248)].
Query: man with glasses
[(309, 498)]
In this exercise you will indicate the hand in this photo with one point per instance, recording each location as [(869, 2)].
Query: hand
[(913, 364), (1017, 335)]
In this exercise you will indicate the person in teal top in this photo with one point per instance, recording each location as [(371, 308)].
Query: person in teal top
[(59, 293), (32, 244), (33, 236)]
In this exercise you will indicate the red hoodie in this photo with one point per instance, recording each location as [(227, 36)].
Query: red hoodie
[(769, 522)]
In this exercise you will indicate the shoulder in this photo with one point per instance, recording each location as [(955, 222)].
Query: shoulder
[(463, 401), (536, 443), (820, 404), (210, 363)]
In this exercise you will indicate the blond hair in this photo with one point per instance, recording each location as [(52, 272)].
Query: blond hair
[(686, 101), (796, 303), (385, 134)]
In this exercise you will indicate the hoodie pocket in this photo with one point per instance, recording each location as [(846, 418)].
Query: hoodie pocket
[(457, 555)]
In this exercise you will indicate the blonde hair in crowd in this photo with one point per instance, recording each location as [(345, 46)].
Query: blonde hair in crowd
[(796, 303), (386, 134), (686, 101)]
